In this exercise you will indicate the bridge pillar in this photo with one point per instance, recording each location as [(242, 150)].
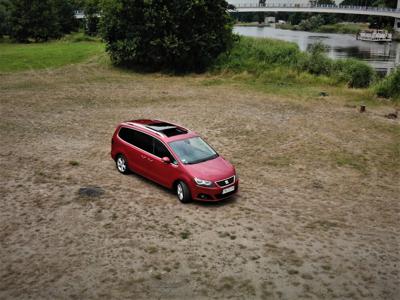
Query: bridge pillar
[(397, 21), (397, 25)]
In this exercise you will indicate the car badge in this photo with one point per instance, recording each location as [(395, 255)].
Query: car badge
[(226, 181)]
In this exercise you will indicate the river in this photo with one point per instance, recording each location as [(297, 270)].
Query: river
[(383, 57)]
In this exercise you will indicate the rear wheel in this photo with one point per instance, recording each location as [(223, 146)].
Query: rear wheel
[(183, 192), (122, 164)]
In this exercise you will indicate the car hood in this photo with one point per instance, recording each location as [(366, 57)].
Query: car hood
[(214, 169)]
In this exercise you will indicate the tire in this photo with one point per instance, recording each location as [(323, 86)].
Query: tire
[(183, 192), (122, 164)]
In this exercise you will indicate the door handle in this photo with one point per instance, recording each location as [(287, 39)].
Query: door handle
[(143, 156), (150, 160)]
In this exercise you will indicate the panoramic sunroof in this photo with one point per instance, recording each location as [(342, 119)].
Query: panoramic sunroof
[(166, 129)]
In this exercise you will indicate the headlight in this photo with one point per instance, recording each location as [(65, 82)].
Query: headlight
[(202, 182)]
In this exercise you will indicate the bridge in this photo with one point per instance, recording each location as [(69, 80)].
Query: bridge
[(263, 6)]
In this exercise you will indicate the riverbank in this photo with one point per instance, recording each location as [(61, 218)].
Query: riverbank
[(343, 28)]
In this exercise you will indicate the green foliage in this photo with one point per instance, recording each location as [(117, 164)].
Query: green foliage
[(389, 87), (311, 24), (295, 18), (5, 6), (355, 73), (34, 19), (256, 55), (316, 62), (92, 11), (20, 57), (284, 62), (40, 20), (65, 11), (166, 34), (341, 28)]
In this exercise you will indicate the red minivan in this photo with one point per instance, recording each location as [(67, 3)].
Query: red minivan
[(174, 157)]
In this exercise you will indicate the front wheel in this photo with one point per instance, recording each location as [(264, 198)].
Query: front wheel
[(183, 192), (122, 164)]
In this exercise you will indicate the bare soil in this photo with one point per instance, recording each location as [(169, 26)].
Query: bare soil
[(317, 216)]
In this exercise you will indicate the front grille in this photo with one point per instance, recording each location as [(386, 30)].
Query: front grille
[(226, 182)]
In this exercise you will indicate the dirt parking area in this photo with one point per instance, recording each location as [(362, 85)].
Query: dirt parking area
[(317, 216)]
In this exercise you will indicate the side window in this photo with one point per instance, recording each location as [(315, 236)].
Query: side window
[(161, 151), (136, 138), (127, 135), (143, 141)]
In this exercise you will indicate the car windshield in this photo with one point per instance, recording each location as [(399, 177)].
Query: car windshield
[(193, 150)]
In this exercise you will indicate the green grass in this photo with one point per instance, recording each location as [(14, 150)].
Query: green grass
[(346, 28), (21, 57)]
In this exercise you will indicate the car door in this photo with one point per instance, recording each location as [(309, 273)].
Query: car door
[(164, 173), (127, 148), (143, 153), (132, 141)]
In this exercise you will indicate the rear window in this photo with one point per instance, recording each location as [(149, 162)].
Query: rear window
[(136, 138)]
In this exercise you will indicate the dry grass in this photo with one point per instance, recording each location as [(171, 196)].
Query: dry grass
[(317, 215)]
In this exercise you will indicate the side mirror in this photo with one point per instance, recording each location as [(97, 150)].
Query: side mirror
[(166, 160)]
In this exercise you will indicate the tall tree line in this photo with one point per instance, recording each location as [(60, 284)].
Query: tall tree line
[(41, 20)]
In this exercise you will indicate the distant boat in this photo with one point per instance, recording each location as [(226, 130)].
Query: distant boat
[(374, 35)]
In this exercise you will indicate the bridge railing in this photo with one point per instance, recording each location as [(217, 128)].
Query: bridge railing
[(325, 6)]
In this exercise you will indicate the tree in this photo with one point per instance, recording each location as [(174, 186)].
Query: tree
[(34, 19), (65, 10), (41, 20), (166, 34), (5, 6), (92, 10)]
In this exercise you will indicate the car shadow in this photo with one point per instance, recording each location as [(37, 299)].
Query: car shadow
[(220, 203)]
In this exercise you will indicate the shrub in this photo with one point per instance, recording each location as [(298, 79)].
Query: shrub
[(312, 23), (166, 34), (389, 87), (355, 73), (315, 61)]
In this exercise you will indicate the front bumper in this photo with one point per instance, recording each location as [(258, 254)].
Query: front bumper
[(213, 194)]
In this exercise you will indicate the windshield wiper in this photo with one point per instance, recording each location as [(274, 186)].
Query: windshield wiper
[(202, 160)]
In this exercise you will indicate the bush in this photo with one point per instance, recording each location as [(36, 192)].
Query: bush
[(166, 34), (311, 24), (389, 87), (316, 61), (355, 73)]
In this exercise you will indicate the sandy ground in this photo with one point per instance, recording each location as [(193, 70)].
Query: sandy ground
[(317, 216)]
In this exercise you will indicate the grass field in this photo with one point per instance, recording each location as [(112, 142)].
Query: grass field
[(20, 57), (316, 217)]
